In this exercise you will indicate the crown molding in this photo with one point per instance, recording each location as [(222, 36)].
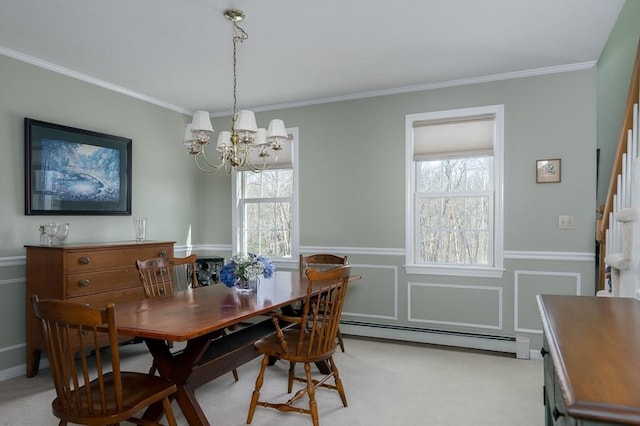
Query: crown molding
[(580, 66), (319, 101), (89, 79)]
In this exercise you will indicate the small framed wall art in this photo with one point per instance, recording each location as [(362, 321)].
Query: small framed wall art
[(548, 171)]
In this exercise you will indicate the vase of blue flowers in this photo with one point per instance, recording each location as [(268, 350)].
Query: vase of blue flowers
[(243, 271)]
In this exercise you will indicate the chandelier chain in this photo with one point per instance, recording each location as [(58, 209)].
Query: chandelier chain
[(239, 35)]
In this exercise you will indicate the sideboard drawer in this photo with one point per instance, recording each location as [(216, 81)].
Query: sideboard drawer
[(104, 259), (86, 283)]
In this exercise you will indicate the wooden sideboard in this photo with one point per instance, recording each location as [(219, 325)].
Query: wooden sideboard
[(591, 354), (95, 274)]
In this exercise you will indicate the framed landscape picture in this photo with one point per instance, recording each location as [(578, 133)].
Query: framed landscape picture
[(70, 171)]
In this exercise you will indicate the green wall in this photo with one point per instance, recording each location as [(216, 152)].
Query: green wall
[(352, 185), (359, 147), (614, 75), (160, 170), (353, 154)]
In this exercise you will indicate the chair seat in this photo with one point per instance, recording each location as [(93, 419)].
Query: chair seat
[(138, 391), (272, 346)]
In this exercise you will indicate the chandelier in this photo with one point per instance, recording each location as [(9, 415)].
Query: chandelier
[(246, 146)]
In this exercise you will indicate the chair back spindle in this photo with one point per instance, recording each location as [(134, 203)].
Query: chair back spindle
[(322, 314), (161, 276), (324, 261), (87, 392), (73, 344)]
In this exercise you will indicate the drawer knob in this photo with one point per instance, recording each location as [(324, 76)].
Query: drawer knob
[(543, 351), (84, 260), (84, 283), (163, 253), (556, 413)]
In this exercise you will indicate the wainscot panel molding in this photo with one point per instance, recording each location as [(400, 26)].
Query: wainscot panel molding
[(466, 295), (379, 292), (528, 284)]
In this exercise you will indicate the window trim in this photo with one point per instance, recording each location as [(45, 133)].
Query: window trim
[(295, 222), (493, 271)]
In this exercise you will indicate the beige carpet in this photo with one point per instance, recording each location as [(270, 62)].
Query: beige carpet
[(387, 384)]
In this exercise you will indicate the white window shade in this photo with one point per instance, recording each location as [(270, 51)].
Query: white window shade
[(452, 138)]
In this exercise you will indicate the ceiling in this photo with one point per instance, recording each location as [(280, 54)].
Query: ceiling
[(178, 53)]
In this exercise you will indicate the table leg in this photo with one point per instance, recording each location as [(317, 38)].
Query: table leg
[(190, 407), (178, 367), (323, 367)]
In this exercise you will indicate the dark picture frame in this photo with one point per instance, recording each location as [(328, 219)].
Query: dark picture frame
[(548, 171), (71, 171)]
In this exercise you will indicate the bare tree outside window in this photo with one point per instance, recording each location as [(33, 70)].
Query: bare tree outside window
[(452, 215), (265, 206)]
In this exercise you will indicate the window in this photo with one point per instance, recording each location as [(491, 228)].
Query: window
[(454, 196), (265, 217)]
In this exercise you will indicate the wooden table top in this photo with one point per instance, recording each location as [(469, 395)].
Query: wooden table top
[(192, 313), (595, 344)]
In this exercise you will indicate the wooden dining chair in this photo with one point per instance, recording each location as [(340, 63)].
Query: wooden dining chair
[(161, 276), (87, 392), (324, 260), (313, 341)]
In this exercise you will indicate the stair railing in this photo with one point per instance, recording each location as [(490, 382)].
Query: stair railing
[(616, 213)]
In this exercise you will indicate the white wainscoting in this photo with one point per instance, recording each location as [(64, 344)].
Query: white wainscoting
[(366, 325)]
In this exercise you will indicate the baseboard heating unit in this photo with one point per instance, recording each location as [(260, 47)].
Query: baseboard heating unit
[(432, 336)]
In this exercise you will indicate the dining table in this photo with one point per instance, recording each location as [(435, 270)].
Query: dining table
[(196, 316)]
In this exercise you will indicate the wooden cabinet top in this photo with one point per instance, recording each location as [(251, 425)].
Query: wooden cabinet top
[(595, 345), (100, 246)]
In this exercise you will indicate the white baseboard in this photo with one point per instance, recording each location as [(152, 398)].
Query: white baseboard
[(20, 370)]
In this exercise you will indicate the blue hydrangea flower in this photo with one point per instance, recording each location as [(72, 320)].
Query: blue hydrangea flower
[(245, 267)]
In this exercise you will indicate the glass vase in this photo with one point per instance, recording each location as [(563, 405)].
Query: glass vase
[(247, 286)]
